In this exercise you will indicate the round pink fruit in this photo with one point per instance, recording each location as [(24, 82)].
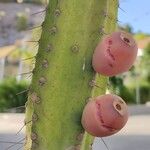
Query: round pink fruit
[(115, 54), (105, 115)]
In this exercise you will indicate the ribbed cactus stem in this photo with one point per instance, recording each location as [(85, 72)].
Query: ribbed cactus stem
[(63, 78)]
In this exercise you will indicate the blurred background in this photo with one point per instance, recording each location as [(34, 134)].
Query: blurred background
[(20, 30)]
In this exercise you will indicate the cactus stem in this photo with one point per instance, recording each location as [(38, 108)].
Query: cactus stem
[(70, 32)]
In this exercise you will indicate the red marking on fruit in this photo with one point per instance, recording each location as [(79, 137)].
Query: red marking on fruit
[(105, 115), (118, 49), (110, 42), (110, 54), (99, 112), (101, 118), (111, 65)]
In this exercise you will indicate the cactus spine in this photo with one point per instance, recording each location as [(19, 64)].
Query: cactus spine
[(63, 78)]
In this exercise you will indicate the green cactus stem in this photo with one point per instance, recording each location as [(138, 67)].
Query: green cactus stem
[(63, 78)]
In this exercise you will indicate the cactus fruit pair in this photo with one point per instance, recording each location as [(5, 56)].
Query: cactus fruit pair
[(107, 114), (70, 32), (115, 54)]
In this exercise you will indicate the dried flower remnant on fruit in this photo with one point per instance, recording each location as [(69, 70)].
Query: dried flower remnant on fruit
[(126, 38), (105, 115), (119, 105)]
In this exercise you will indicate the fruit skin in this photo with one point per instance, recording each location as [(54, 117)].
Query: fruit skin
[(105, 115), (115, 54)]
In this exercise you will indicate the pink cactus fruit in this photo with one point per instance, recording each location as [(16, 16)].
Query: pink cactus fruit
[(115, 54), (105, 115)]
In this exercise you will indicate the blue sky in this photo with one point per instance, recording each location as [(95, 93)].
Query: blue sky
[(137, 14)]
